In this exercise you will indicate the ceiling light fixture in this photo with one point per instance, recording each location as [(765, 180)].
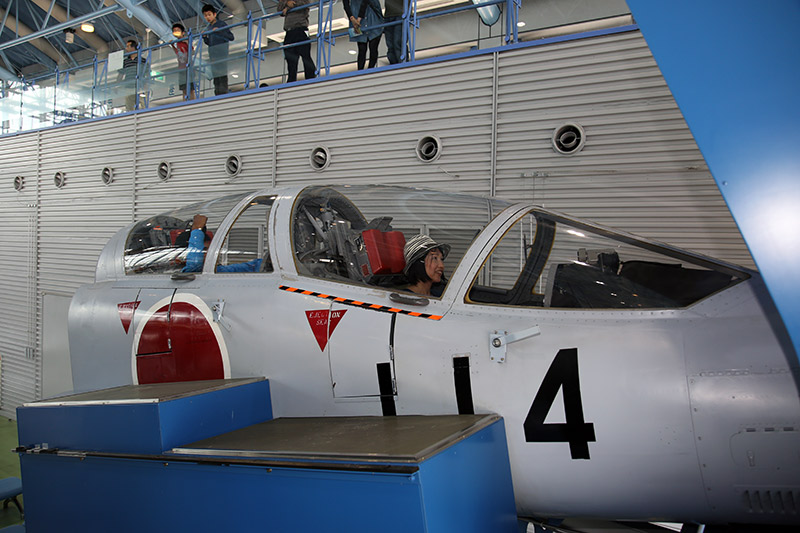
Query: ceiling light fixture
[(88, 27), (520, 24), (69, 35)]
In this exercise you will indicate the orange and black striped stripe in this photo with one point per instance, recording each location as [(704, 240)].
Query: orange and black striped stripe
[(364, 305)]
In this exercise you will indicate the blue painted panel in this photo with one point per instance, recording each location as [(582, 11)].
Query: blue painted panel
[(145, 427), (128, 428), (734, 69), (122, 495), (206, 415), (467, 487)]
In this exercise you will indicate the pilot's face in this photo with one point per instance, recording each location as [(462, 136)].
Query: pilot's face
[(434, 265)]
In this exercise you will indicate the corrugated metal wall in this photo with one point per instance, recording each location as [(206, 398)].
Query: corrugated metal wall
[(18, 248), (640, 168), (494, 114), (196, 140), (371, 127), (77, 220)]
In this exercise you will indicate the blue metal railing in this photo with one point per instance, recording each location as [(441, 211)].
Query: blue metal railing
[(94, 90)]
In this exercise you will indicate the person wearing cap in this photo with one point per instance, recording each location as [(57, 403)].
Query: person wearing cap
[(425, 265)]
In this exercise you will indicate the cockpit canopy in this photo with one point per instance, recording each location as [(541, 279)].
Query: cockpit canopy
[(549, 260), (352, 234), (158, 245), (356, 235)]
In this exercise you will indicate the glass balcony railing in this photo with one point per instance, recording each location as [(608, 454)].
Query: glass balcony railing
[(255, 58)]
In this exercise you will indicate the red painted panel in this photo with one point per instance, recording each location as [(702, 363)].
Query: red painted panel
[(194, 344), (194, 354), (155, 335)]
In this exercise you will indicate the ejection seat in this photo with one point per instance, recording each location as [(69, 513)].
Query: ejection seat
[(384, 251), (379, 256)]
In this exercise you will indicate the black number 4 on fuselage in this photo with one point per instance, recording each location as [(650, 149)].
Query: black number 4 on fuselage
[(563, 374)]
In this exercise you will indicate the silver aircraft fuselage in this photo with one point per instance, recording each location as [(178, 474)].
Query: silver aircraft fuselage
[(637, 381)]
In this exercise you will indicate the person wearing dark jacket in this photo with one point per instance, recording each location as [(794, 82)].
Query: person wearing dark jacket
[(393, 12), (129, 73), (296, 25), (216, 38)]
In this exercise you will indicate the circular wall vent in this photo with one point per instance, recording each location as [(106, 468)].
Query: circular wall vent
[(107, 175), (429, 148), (233, 165), (164, 170), (568, 139), (60, 179), (319, 158), (19, 183)]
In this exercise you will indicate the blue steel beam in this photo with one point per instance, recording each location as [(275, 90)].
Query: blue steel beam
[(49, 12), (734, 69), (8, 75), (58, 42), (148, 18), (5, 18)]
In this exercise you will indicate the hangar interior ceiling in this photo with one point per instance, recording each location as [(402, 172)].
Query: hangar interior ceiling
[(112, 25)]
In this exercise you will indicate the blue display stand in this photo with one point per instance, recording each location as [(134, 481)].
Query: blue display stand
[(389, 474), (144, 418)]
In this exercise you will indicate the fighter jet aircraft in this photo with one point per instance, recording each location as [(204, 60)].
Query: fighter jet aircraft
[(637, 381)]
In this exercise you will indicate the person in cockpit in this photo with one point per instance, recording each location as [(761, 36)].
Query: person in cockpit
[(424, 268), (199, 239)]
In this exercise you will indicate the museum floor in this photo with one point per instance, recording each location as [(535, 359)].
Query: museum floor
[(9, 466)]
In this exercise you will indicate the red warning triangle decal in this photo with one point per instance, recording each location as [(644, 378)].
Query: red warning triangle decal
[(318, 320), (126, 311)]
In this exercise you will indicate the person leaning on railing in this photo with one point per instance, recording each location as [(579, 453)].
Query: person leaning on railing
[(181, 48), (216, 38), (295, 23), (128, 73)]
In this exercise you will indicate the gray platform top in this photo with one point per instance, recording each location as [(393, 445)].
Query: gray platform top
[(153, 393), (367, 438)]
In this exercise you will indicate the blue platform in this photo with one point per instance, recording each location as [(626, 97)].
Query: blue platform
[(388, 474), (144, 418)]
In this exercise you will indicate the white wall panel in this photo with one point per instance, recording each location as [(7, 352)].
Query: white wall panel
[(372, 129), (77, 220), (640, 169), (18, 273), (196, 140)]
